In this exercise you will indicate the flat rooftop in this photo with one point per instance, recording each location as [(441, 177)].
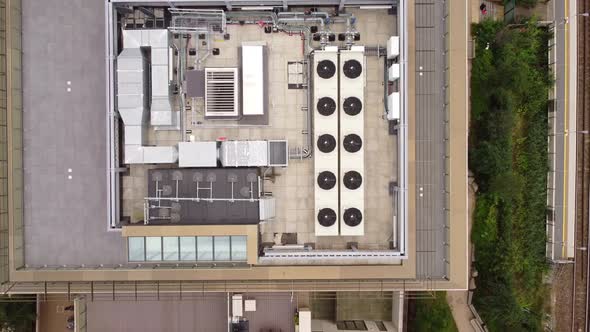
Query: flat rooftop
[(65, 158), (65, 137), (70, 163)]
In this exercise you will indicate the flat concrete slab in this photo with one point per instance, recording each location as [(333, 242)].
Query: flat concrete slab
[(274, 311), (64, 126), (200, 313)]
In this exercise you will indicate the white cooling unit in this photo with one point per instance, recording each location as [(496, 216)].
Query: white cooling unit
[(325, 129), (352, 161), (221, 92)]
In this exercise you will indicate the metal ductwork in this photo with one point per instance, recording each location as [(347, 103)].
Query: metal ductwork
[(161, 114), (133, 100)]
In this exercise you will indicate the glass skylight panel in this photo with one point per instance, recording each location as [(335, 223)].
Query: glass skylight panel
[(153, 248), (136, 249)]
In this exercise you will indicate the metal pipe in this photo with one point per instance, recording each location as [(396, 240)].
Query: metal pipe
[(385, 85), (283, 21), (194, 199), (259, 14), (324, 14), (303, 19), (300, 29), (304, 153)]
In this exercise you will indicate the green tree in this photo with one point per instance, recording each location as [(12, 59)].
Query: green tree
[(17, 316)]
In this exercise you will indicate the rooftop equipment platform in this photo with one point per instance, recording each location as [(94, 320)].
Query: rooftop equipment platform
[(208, 196)]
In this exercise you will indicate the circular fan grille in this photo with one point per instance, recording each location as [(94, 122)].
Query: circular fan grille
[(326, 143), (326, 180), (326, 106), (353, 217), (352, 106), (352, 69), (326, 69), (352, 180), (326, 217), (352, 143)]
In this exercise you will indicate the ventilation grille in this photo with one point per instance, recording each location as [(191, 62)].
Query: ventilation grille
[(221, 92)]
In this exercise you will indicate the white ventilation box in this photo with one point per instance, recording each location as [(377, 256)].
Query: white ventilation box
[(221, 92), (237, 306), (393, 72), (393, 47), (137, 154), (305, 320), (244, 153), (393, 106), (253, 73), (250, 305), (160, 154), (267, 208), (197, 154)]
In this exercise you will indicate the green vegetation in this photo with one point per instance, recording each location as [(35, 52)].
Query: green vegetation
[(17, 316), (524, 3), (432, 315), (508, 155)]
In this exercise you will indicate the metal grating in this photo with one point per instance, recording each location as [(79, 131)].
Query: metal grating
[(221, 92), (431, 257)]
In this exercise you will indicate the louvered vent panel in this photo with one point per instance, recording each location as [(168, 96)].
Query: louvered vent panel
[(221, 92)]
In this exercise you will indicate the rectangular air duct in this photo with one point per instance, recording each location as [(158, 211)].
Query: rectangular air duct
[(221, 92), (161, 113), (133, 92)]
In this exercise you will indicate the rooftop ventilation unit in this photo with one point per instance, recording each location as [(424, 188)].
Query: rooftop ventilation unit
[(352, 169), (221, 92), (325, 129)]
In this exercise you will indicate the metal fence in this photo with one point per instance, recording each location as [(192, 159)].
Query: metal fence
[(4, 238), (178, 290), (447, 132), (551, 151), (11, 166)]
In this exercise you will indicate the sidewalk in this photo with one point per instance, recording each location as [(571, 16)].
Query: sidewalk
[(458, 299)]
